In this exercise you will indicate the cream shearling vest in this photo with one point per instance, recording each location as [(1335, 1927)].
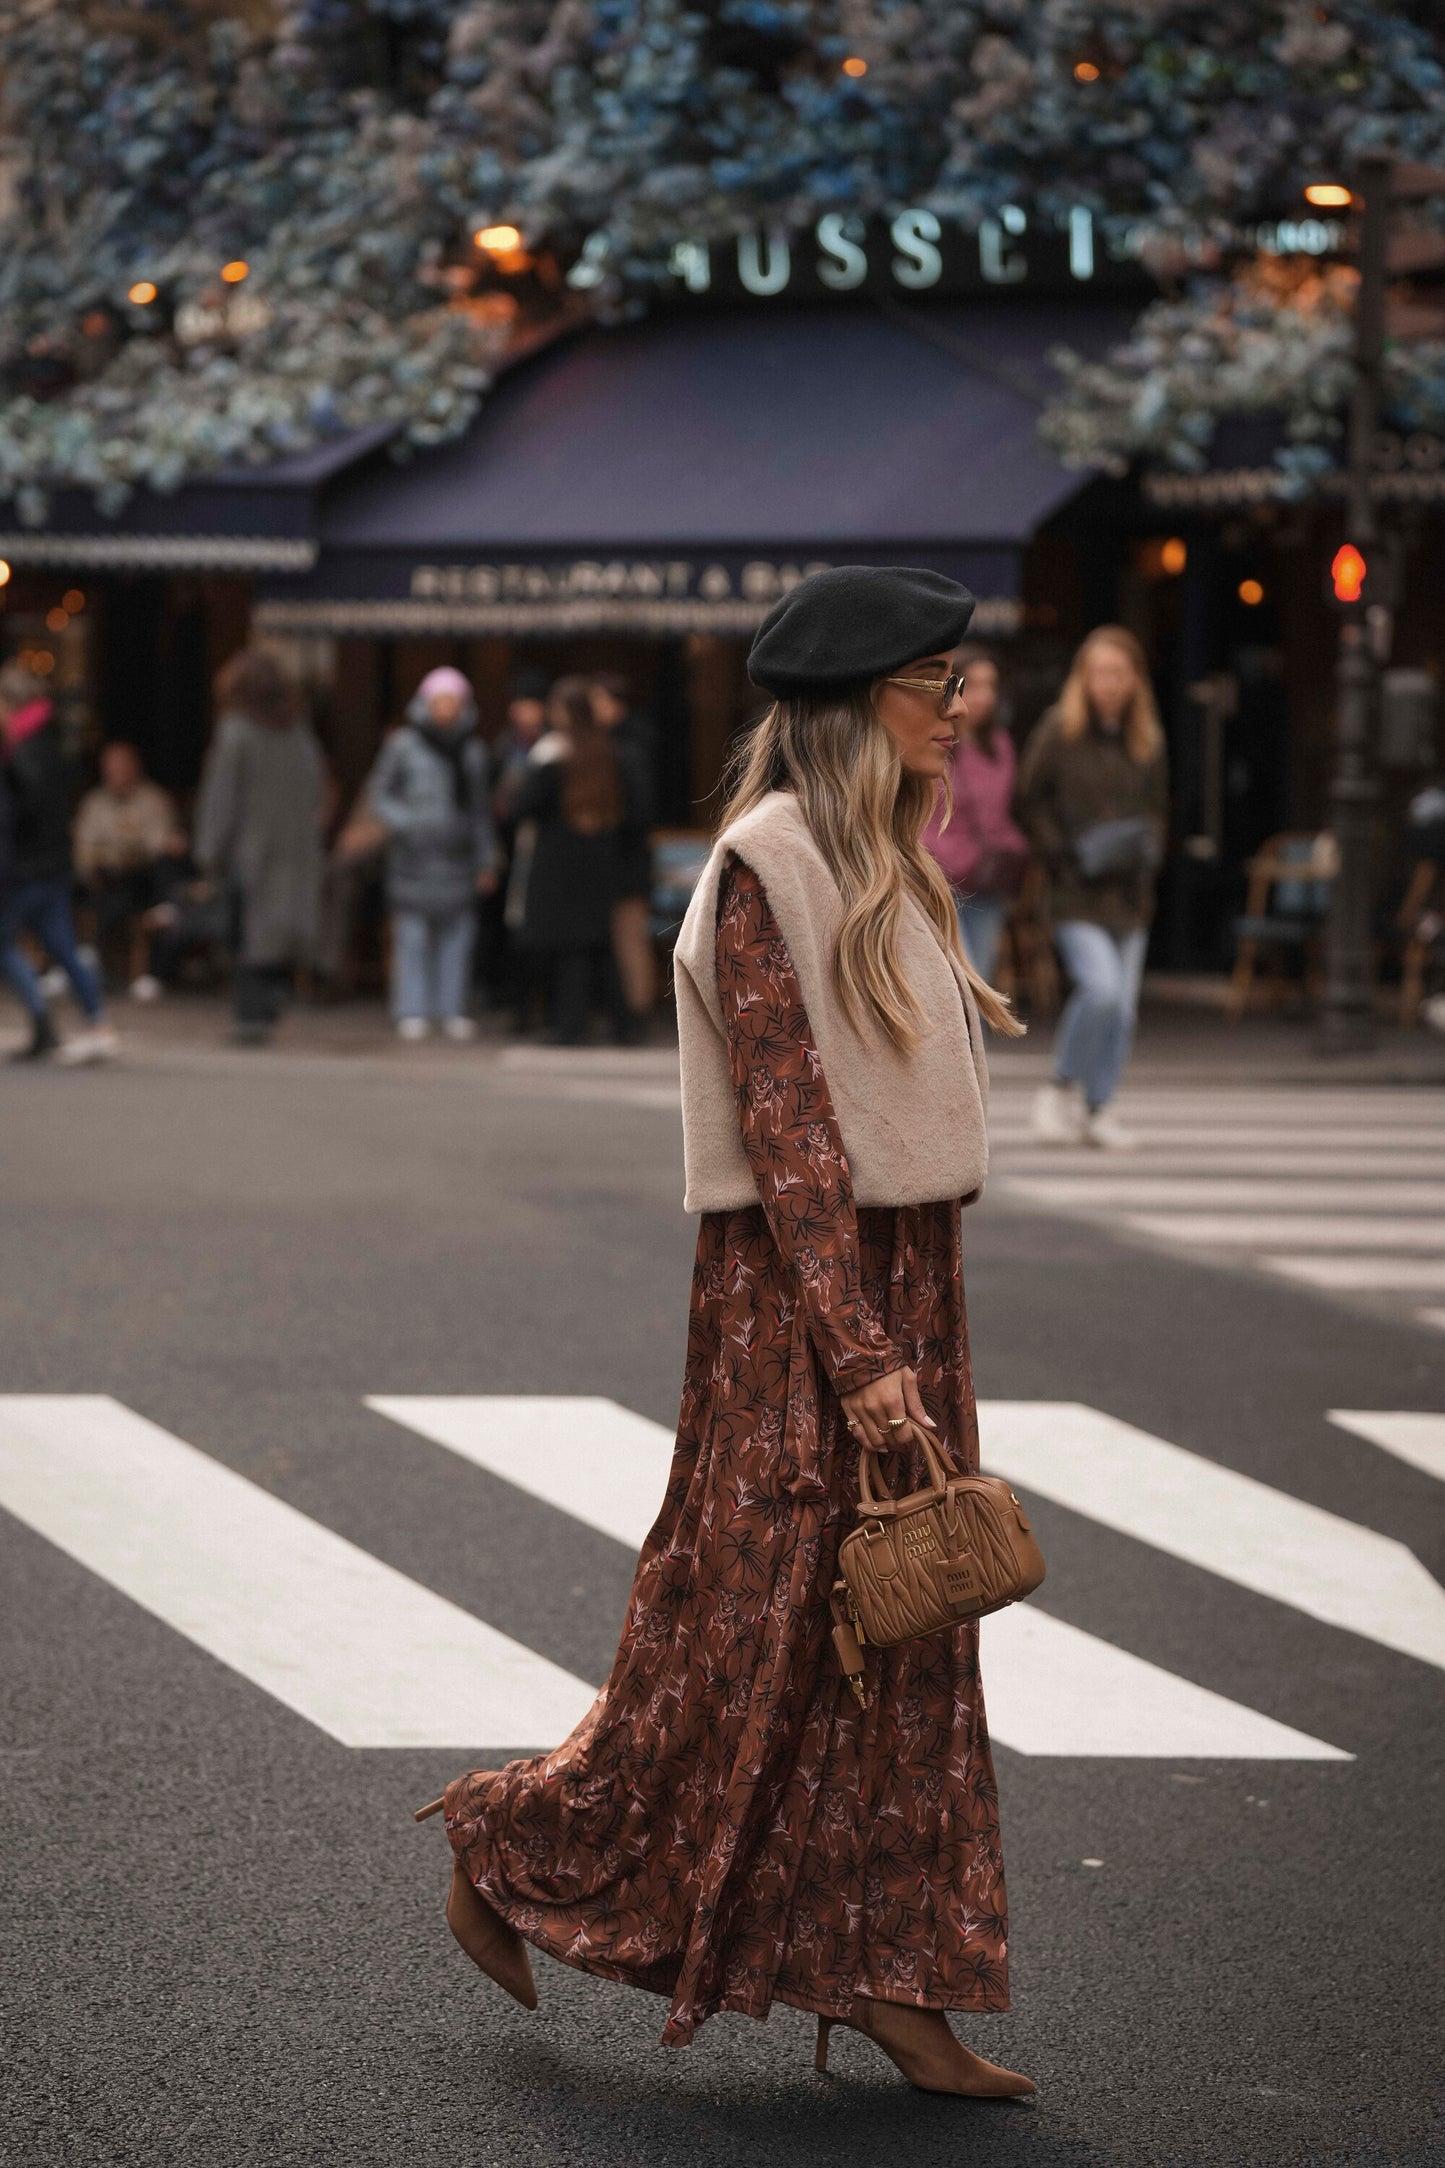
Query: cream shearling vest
[(913, 1126)]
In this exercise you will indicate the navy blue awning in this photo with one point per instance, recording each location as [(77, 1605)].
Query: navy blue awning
[(678, 473)]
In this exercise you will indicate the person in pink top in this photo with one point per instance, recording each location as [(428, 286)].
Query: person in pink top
[(981, 850)]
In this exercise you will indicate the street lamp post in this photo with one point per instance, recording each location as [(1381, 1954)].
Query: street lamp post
[(1348, 1020)]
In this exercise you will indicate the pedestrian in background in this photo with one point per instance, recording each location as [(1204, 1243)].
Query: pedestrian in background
[(982, 851), (258, 832), (36, 896), (632, 941), (124, 829), (507, 967), (585, 792), (726, 1826), (429, 791), (1094, 798)]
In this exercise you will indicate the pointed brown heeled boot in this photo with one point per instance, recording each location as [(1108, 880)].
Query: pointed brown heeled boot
[(922, 2045), (493, 1946)]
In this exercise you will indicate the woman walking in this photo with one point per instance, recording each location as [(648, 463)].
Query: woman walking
[(982, 852), (429, 791), (727, 1827), (586, 793), (35, 880), (258, 823), (1094, 797)]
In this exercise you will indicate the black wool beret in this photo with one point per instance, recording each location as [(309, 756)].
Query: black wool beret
[(853, 623)]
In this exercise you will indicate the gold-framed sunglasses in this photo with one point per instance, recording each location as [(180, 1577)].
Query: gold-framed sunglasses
[(947, 689)]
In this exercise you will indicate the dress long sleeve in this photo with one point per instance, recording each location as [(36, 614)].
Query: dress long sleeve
[(791, 1136)]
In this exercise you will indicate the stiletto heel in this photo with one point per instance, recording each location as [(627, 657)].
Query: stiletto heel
[(933, 2060), (820, 2053), (424, 1814)]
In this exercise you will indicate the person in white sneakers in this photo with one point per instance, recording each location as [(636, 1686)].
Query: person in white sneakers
[(35, 878), (429, 792), (1094, 798)]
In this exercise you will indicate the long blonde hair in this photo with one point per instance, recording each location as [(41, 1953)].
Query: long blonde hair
[(1143, 736), (866, 814)]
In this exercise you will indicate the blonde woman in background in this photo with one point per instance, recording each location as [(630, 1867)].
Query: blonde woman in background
[(1094, 798), (727, 1827)]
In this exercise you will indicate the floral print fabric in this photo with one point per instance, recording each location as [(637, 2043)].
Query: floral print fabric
[(727, 1827)]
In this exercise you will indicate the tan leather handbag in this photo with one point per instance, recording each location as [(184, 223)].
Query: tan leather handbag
[(927, 1562)]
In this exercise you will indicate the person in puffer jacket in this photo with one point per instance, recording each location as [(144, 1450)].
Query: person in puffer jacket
[(429, 791)]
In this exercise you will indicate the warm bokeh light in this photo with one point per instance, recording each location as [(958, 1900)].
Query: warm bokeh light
[(234, 272), (855, 65), (1347, 570), (1250, 593), (1328, 195), (498, 240), (41, 661), (4, 573), (1174, 555), (73, 600), (142, 293), (1085, 72), (56, 620), (95, 323)]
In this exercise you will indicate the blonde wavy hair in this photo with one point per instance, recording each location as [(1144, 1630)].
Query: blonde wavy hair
[(867, 814), (1143, 735)]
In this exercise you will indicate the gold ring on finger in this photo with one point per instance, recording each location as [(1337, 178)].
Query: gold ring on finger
[(896, 1422)]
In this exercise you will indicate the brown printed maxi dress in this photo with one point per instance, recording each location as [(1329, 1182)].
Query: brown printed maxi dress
[(727, 1826)]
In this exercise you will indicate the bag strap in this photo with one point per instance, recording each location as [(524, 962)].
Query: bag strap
[(872, 1502)]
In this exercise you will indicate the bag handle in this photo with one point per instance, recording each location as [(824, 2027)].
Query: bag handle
[(941, 1475)]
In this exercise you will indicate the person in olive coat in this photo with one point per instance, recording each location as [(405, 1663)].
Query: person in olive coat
[(587, 794), (258, 832)]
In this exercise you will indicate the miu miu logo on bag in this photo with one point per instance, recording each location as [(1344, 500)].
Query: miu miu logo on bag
[(958, 1581), (919, 1542)]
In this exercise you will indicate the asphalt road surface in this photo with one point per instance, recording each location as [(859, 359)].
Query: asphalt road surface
[(1219, 1740)]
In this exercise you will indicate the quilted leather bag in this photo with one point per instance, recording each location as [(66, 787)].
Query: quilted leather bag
[(927, 1562)]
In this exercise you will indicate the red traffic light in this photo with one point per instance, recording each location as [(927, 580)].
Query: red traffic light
[(1348, 571)]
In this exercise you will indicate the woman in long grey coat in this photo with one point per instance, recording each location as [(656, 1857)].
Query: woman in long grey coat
[(258, 831), (429, 791)]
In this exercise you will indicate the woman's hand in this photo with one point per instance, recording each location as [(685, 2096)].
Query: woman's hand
[(868, 1411)]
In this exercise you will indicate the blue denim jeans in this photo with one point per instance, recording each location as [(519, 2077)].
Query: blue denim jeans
[(42, 909), (1096, 1029), (431, 963), (981, 921)]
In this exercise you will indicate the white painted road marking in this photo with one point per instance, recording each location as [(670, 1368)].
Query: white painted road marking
[(1418, 1438), (598, 1462), (343, 1640), (1051, 1688), (1362, 1275), (1186, 1192), (1267, 1230), (1228, 1523)]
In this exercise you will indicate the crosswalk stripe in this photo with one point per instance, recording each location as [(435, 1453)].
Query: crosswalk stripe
[(601, 1463), (348, 1643), (1298, 1134), (1184, 1193), (1372, 1104), (1412, 1436), (1214, 1517), (1362, 1275), (1187, 1159), (1258, 1230), (1431, 1317), (1052, 1688)]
